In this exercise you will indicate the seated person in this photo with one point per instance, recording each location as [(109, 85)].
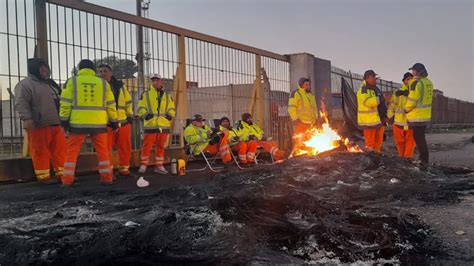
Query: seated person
[(250, 131), (245, 149), (202, 139)]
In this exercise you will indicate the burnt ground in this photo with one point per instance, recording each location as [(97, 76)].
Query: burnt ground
[(339, 208)]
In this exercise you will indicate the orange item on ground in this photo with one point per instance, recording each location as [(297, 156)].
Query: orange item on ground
[(246, 151), (374, 138), (74, 144), (221, 148), (47, 146), (404, 141), (122, 140), (150, 139)]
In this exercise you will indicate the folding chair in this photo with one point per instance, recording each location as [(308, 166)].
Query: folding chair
[(209, 159)]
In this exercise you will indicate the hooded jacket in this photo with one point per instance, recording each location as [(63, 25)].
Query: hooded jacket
[(37, 98)]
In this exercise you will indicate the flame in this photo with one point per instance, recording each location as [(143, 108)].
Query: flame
[(323, 139)]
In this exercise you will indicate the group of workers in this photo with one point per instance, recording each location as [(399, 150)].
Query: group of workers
[(409, 113), (94, 103)]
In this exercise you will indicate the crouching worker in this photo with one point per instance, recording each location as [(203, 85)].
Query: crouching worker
[(245, 149), (202, 139), (252, 132)]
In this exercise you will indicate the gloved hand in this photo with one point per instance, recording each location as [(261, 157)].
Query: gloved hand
[(215, 139), (235, 139), (114, 125), (384, 121), (148, 116), (65, 125), (252, 137), (169, 117), (400, 92), (130, 119), (264, 138)]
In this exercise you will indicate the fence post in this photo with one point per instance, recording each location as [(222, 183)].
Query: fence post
[(256, 105), (41, 49), (182, 94)]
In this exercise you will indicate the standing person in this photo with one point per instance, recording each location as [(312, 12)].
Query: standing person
[(252, 132), (201, 139), (37, 103), (403, 136), (122, 138), (371, 111), (245, 149), (87, 106), (157, 108), (303, 111), (418, 109)]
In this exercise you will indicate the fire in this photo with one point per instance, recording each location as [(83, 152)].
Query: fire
[(323, 139)]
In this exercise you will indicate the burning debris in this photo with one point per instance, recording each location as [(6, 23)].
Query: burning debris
[(323, 139), (343, 207)]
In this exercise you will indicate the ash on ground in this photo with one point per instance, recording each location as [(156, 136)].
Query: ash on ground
[(339, 208)]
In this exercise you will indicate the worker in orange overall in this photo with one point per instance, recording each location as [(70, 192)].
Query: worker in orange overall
[(246, 149), (303, 111), (122, 138), (252, 132), (87, 106), (371, 111), (157, 109), (202, 139), (37, 103), (402, 134)]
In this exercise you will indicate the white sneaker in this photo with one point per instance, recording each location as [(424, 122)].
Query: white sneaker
[(160, 170), (142, 169)]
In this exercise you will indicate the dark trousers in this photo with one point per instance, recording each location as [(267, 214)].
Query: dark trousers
[(420, 140)]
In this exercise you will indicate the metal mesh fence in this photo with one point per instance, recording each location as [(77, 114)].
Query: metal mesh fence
[(219, 77)]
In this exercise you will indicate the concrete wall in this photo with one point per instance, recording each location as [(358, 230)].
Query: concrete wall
[(318, 71)]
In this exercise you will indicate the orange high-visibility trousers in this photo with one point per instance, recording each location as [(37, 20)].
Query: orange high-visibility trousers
[(47, 146), (221, 148), (269, 147), (122, 140), (246, 150), (404, 141), (299, 134), (374, 138), (150, 139), (74, 144)]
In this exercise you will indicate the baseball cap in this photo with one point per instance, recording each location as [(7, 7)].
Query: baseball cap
[(418, 67), (155, 76), (198, 117), (369, 73)]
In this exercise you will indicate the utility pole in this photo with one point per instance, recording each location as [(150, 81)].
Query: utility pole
[(140, 77)]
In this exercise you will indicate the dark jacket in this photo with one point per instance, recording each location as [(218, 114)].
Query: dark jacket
[(37, 98)]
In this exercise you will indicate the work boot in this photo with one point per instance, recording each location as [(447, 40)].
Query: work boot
[(160, 170), (107, 183), (142, 169)]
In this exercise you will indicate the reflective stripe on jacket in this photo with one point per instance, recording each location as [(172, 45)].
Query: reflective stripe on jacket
[(418, 105), (367, 111), (197, 138), (149, 104), (246, 130), (396, 108), (302, 105), (87, 103)]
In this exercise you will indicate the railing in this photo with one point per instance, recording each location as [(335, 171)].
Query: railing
[(205, 74)]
